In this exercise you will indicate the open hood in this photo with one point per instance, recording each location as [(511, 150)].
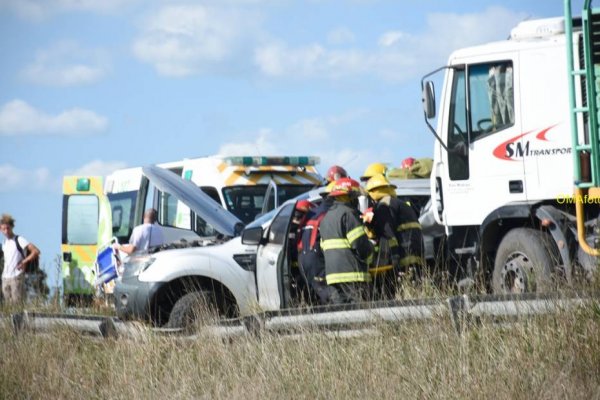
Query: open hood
[(193, 197)]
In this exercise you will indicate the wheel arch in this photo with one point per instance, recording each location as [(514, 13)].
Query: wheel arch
[(165, 298), (498, 223)]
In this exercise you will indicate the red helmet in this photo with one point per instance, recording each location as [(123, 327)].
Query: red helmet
[(407, 162), (336, 172), (304, 205), (345, 186)]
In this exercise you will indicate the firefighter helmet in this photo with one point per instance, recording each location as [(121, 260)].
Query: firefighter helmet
[(327, 189), (407, 162), (378, 181), (372, 170), (336, 172), (304, 205), (345, 186)]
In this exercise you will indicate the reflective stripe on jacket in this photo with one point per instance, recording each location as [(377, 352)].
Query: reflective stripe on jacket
[(345, 245), (399, 233)]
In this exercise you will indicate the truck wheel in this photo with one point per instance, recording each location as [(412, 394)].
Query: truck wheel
[(192, 310), (524, 262)]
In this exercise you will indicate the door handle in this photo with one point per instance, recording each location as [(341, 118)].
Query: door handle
[(515, 186)]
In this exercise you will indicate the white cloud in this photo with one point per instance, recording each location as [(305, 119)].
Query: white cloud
[(340, 36), (318, 136), (182, 40), (18, 118), (262, 145), (96, 168), (316, 61), (397, 56), (40, 9), (390, 38), (67, 64), (14, 179)]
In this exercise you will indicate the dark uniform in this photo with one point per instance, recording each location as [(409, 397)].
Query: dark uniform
[(310, 254), (400, 244), (410, 239), (347, 253)]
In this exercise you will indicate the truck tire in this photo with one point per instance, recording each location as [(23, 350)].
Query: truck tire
[(524, 262), (191, 311)]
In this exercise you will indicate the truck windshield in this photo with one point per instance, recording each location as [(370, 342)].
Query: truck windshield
[(246, 202)]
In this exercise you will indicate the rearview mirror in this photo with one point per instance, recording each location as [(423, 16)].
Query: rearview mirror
[(252, 236), (428, 98)]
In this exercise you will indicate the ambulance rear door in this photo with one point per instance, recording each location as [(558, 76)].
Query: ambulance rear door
[(86, 223)]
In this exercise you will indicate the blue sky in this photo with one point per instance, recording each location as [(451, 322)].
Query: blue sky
[(89, 86)]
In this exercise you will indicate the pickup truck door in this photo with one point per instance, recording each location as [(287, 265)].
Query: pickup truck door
[(272, 261)]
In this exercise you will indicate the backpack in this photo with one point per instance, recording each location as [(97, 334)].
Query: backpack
[(313, 225), (33, 265)]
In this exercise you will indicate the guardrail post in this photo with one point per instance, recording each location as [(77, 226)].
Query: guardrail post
[(20, 322), (459, 308)]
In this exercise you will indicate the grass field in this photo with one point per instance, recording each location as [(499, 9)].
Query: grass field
[(550, 357)]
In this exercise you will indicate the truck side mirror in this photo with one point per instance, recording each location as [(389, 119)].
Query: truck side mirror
[(252, 236), (428, 99)]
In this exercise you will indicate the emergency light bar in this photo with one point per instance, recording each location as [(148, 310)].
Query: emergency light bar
[(301, 161)]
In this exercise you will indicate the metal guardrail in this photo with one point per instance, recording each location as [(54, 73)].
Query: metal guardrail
[(351, 320)]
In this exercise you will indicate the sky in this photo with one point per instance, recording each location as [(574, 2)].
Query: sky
[(90, 86)]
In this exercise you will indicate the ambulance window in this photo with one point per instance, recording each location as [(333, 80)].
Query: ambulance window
[(245, 202), (82, 219), (167, 209), (212, 192), (491, 98), (279, 226), (203, 228), (122, 209)]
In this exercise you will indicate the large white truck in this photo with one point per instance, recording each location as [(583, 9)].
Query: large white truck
[(516, 172)]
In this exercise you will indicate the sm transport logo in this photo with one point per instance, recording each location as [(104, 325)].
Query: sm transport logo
[(515, 149)]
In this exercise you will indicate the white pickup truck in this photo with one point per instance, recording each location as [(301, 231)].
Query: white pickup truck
[(239, 272)]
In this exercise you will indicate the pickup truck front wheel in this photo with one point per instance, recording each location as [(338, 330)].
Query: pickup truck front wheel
[(192, 310)]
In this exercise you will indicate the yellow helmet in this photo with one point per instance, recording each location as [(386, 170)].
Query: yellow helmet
[(372, 170), (378, 181), (327, 189)]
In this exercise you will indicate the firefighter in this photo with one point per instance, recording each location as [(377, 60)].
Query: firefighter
[(299, 220), (345, 245), (310, 255), (407, 163), (399, 236), (335, 172)]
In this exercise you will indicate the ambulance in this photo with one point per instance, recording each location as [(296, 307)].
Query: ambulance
[(97, 210)]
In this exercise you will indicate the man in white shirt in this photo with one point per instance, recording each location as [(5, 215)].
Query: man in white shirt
[(16, 257), (144, 236)]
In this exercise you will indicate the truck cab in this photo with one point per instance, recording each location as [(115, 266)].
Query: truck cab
[(503, 159)]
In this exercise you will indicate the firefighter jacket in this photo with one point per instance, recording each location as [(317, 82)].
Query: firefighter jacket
[(345, 245), (397, 226), (383, 225)]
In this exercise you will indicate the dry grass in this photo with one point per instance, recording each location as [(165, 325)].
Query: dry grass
[(548, 357)]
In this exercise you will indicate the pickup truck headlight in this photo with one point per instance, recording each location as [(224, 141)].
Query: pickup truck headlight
[(136, 265)]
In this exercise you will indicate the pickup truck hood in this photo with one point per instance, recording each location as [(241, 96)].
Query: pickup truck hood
[(192, 196)]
